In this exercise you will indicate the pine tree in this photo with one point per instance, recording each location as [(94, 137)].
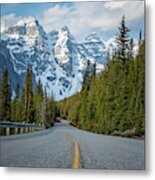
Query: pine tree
[(38, 99), (51, 111), (122, 40), (113, 101), (86, 79), (125, 46), (140, 38), (90, 107), (130, 50), (47, 112), (140, 92), (5, 98), (83, 98), (28, 111), (15, 105), (82, 108)]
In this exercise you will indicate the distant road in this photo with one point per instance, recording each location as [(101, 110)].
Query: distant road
[(64, 146)]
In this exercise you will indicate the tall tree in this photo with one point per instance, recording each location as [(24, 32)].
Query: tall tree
[(130, 50), (86, 79), (122, 40), (5, 98), (38, 100), (15, 105), (47, 112), (28, 112), (140, 38)]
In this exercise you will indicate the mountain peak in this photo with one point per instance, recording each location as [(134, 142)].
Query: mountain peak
[(93, 37), (27, 28), (28, 21), (65, 29), (64, 36), (56, 58)]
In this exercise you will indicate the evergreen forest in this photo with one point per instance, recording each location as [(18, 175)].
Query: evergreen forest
[(112, 102)]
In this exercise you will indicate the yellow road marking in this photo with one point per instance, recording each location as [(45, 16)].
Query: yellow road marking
[(76, 161)]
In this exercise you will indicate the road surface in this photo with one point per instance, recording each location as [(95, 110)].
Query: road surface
[(64, 146)]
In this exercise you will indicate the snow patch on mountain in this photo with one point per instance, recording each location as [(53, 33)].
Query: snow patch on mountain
[(96, 49), (56, 58)]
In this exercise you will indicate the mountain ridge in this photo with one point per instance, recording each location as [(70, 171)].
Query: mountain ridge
[(57, 59)]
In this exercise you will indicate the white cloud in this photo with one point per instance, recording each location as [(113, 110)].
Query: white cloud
[(8, 20), (85, 17)]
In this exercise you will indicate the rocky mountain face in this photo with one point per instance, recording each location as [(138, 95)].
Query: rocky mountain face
[(56, 58)]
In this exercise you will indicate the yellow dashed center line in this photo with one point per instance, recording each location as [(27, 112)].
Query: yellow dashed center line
[(76, 161)]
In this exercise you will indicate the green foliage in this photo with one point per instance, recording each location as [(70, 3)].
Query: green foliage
[(15, 106), (110, 103), (31, 107), (5, 98), (38, 100), (122, 40), (48, 111), (28, 110), (113, 101)]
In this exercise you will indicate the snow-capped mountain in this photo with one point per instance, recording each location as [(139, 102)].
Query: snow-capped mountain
[(96, 49), (56, 57)]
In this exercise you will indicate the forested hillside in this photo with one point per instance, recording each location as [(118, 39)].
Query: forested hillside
[(113, 102)]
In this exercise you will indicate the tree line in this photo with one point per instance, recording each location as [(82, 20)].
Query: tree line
[(114, 101), (29, 106)]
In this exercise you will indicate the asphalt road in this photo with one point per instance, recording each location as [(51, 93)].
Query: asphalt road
[(64, 146)]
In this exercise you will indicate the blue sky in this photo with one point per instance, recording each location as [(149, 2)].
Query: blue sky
[(29, 9), (81, 18)]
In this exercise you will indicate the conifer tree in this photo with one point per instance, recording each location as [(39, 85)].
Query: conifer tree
[(130, 50), (82, 109), (15, 105), (90, 107), (114, 100), (38, 99), (140, 91), (5, 98), (83, 98), (86, 79), (47, 111), (140, 38), (28, 111), (122, 39)]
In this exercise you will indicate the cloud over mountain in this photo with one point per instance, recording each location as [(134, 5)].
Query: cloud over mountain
[(85, 17)]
